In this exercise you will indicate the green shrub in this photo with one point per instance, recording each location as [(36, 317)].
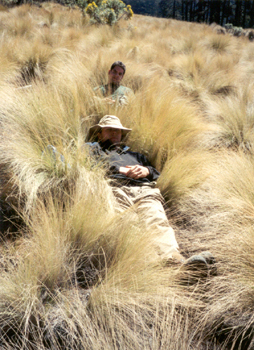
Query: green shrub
[(80, 3), (108, 11), (9, 2), (229, 26), (99, 11), (236, 31)]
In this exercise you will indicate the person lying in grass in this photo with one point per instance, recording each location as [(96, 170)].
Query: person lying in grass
[(113, 91), (133, 182)]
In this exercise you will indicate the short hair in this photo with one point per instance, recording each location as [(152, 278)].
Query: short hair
[(119, 64)]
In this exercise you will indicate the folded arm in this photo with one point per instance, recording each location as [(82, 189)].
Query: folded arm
[(134, 171)]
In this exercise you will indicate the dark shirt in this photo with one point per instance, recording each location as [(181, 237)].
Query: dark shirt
[(118, 155)]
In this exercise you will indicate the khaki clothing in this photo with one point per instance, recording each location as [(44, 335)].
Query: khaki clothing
[(117, 93), (140, 196), (148, 203)]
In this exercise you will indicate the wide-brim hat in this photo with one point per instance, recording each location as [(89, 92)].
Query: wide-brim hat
[(108, 121)]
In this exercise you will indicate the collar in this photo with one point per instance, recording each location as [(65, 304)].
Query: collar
[(119, 147)]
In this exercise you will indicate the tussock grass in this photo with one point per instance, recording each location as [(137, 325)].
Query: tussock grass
[(77, 275), (220, 212), (182, 174), (233, 115), (220, 43), (163, 124), (124, 286)]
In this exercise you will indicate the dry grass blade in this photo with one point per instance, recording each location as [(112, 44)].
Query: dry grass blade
[(74, 274)]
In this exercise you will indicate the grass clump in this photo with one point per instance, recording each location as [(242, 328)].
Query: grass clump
[(75, 274)]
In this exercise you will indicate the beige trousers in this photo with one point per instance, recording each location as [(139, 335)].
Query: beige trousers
[(148, 203)]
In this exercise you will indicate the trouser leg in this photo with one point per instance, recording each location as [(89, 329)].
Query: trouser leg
[(125, 199), (150, 208), (124, 196), (148, 204)]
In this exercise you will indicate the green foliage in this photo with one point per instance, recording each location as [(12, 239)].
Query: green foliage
[(99, 11), (80, 3), (236, 31), (229, 26), (108, 11), (10, 2)]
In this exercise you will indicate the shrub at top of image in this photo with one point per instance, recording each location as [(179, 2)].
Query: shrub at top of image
[(100, 11), (108, 11)]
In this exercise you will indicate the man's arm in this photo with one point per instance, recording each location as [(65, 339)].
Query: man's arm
[(142, 170)]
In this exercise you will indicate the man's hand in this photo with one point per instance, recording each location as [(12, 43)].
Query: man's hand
[(134, 171)]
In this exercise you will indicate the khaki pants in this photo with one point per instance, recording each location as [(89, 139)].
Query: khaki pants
[(148, 203)]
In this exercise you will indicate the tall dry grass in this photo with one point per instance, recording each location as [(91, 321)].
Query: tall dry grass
[(76, 275)]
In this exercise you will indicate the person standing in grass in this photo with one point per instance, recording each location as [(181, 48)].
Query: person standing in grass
[(133, 182), (113, 91)]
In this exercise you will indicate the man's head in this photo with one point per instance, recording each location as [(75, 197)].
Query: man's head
[(109, 128), (116, 73)]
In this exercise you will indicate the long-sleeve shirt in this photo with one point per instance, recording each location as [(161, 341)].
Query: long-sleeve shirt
[(113, 90), (119, 155), (118, 93)]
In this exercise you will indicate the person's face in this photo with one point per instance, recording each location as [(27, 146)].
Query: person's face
[(111, 134), (115, 75)]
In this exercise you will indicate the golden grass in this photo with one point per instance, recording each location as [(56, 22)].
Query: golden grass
[(78, 275), (233, 115)]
